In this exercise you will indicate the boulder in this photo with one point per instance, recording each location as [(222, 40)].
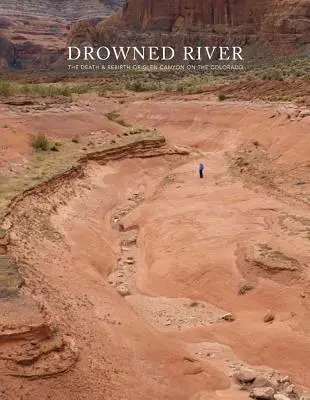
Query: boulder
[(263, 393), (305, 113), (290, 389), (228, 317), (280, 397), (123, 290), (245, 376), (261, 382), (269, 317)]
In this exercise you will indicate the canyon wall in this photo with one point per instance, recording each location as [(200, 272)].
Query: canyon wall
[(33, 34), (284, 25)]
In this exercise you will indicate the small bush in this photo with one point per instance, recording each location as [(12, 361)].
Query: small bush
[(122, 122), (54, 148), (273, 75), (244, 289), (222, 97), (112, 115), (136, 86), (140, 86), (40, 142), (6, 89)]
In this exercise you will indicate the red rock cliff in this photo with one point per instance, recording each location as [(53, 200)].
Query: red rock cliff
[(284, 24)]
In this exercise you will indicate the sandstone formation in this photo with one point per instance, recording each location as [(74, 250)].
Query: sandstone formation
[(33, 35), (285, 25)]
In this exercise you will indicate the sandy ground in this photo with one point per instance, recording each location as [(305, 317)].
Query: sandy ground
[(140, 261)]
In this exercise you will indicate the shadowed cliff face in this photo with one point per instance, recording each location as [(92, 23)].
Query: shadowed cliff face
[(6, 52)]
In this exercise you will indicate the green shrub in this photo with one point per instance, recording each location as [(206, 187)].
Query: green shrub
[(122, 122), (112, 115), (6, 89), (140, 86), (273, 75), (40, 142), (222, 96)]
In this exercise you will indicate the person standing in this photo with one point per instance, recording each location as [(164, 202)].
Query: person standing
[(201, 169)]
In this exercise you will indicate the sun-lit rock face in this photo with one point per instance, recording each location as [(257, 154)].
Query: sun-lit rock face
[(282, 23)]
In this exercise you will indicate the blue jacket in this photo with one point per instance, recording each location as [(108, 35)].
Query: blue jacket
[(201, 167)]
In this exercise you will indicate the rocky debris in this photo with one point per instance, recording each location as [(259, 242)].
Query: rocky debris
[(261, 381), (228, 317), (267, 385), (269, 317), (279, 396), (175, 313), (129, 238), (123, 290), (290, 389), (124, 248), (284, 379), (136, 197), (304, 113), (245, 376), (129, 260), (263, 393)]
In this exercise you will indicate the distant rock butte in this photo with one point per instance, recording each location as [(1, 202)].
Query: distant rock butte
[(33, 34)]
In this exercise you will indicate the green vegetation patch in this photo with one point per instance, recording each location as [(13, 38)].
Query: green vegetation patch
[(115, 117)]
